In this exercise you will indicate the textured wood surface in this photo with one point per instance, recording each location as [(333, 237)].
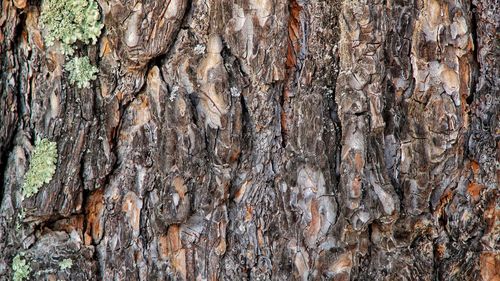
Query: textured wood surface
[(257, 140)]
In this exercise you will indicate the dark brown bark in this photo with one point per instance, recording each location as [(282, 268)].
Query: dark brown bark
[(257, 140)]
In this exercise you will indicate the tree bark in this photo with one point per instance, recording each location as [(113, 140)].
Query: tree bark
[(257, 140)]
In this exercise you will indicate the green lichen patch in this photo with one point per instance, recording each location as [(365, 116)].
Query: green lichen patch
[(20, 268), (70, 21), (81, 71), (42, 167), (65, 264)]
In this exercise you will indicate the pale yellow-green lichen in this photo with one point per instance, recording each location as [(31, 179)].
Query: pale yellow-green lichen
[(65, 264), (20, 268), (81, 71), (70, 21), (42, 167)]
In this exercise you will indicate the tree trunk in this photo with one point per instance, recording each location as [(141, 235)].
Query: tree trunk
[(257, 140)]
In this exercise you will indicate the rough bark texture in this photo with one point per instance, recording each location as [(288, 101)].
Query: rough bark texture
[(258, 140)]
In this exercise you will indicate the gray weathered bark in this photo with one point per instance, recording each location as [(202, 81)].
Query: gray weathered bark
[(257, 140)]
